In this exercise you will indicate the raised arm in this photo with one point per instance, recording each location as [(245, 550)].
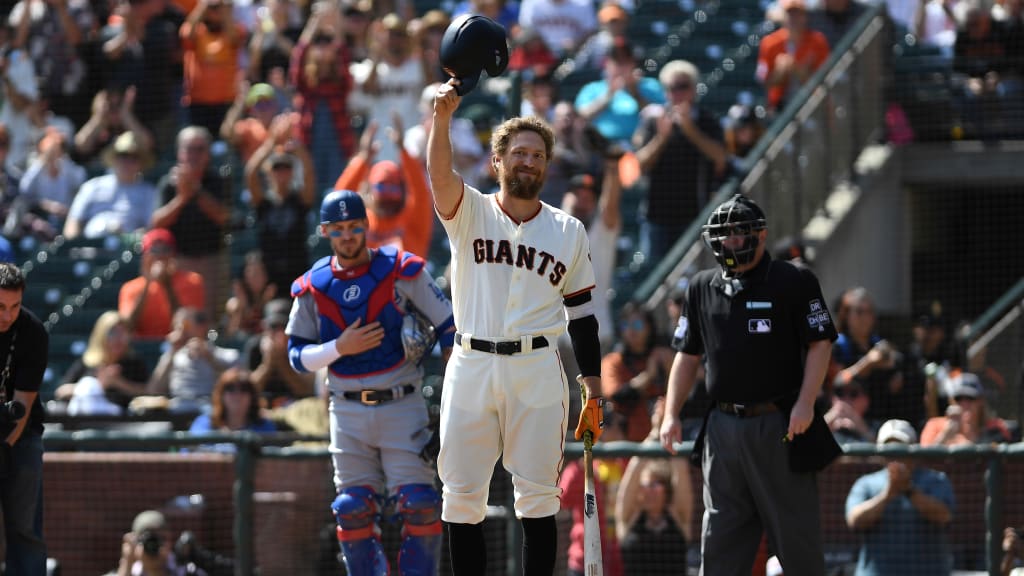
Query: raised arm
[(445, 182)]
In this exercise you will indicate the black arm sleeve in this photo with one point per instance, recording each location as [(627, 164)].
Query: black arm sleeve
[(586, 345)]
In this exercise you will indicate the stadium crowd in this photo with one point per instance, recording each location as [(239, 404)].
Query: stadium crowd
[(124, 117)]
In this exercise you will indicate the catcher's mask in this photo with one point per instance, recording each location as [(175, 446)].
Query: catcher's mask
[(473, 43), (739, 217)]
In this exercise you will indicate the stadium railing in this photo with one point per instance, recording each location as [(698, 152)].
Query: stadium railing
[(264, 502), (811, 146), (995, 339)]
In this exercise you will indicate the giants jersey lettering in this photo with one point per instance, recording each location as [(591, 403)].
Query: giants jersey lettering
[(508, 278)]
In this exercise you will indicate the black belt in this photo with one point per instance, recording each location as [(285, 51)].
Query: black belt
[(374, 397), (505, 348), (747, 410)]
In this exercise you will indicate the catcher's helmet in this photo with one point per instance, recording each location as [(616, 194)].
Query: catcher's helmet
[(340, 206), (737, 216), (470, 44)]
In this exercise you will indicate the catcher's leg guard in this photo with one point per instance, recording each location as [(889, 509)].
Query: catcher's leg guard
[(419, 505), (356, 511)]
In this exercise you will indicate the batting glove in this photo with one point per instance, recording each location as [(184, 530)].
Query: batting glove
[(591, 418)]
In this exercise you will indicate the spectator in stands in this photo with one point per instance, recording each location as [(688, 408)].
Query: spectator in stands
[(51, 33), (8, 182), (531, 55), (613, 104), (113, 114), (861, 354), (468, 157), (980, 59), (26, 113), (428, 31), (212, 42), (653, 511), (834, 18), (282, 206), (601, 214), (539, 94), (139, 50), (680, 148), (196, 208), (399, 207), (234, 406), (116, 203), (1011, 14), (47, 188), (390, 81), (1013, 553), (614, 21), (928, 355), (967, 420), (273, 38), (320, 73), (635, 373), (149, 301), (247, 123), (572, 153), (243, 312), (935, 22), (266, 355), (789, 56), (607, 473), (743, 128), (563, 24), (501, 11), (148, 549), (902, 512), (355, 26), (846, 418), (109, 373), (190, 367)]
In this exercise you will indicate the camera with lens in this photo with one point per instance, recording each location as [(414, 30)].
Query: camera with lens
[(151, 542), (10, 413), (197, 559)]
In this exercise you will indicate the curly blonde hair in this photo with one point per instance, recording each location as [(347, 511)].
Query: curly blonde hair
[(502, 136)]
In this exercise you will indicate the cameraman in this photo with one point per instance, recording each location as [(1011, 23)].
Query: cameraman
[(24, 346), (148, 550)]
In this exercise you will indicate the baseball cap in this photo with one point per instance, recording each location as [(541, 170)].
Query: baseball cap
[(275, 313), (158, 237), (260, 92), (385, 172), (611, 12), (149, 520), (896, 431), (965, 384), (342, 206), (581, 181)]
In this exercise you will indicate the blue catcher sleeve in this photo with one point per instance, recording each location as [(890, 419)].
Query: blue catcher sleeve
[(308, 356)]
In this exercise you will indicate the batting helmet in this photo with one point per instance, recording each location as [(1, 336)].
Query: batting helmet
[(473, 43), (737, 216), (340, 206)]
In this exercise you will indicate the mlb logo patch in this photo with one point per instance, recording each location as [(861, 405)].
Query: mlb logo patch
[(759, 326)]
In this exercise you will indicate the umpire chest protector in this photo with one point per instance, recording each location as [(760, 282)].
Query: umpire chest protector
[(366, 292)]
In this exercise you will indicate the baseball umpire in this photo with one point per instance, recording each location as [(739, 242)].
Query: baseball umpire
[(520, 268), (767, 335), (348, 315)]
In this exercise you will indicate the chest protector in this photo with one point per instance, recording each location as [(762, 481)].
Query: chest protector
[(366, 293)]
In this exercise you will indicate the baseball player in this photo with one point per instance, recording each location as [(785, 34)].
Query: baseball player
[(520, 269), (348, 315)]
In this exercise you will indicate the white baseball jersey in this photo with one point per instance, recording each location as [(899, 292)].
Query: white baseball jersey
[(508, 278)]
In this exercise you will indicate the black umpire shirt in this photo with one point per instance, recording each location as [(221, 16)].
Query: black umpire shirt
[(755, 329)]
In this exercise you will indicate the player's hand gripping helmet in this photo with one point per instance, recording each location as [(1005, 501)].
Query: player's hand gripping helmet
[(473, 43), (737, 216)]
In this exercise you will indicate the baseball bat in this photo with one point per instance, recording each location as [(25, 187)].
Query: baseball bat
[(592, 562), (593, 565)]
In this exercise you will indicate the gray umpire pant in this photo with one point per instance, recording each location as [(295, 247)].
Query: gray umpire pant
[(749, 488)]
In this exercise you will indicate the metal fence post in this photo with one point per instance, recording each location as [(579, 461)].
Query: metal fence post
[(245, 473), (994, 513)]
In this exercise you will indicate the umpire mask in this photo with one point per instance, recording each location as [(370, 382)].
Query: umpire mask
[(732, 232)]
